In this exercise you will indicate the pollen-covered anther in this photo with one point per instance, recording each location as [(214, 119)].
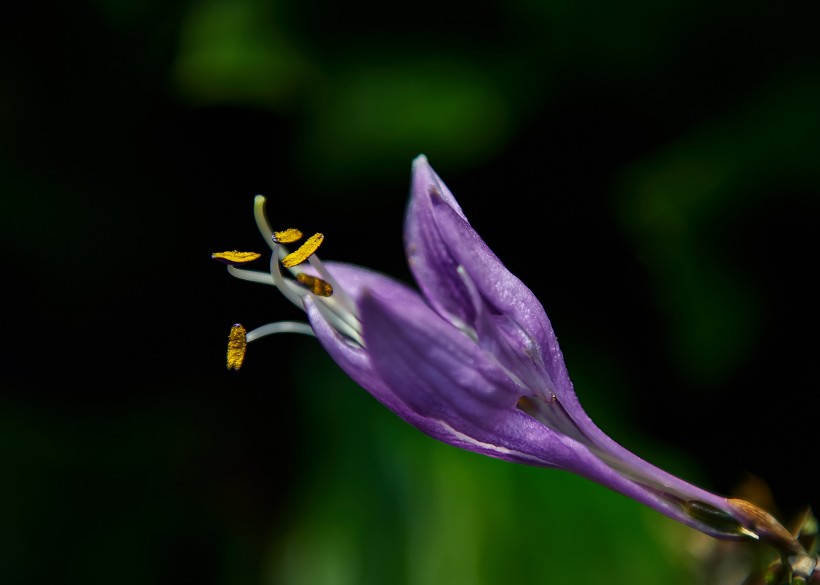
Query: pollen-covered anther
[(237, 345), (315, 285), (287, 236), (304, 252), (235, 257)]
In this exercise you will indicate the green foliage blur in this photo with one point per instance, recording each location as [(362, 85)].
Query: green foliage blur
[(649, 169)]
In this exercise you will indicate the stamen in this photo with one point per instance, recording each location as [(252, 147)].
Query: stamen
[(338, 309), (251, 275), (235, 257), (345, 302), (237, 344), (280, 327), (262, 220), (338, 322), (287, 236), (340, 303), (315, 285), (304, 252), (292, 292)]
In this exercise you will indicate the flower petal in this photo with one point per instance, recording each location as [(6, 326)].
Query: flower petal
[(431, 262), (353, 360), (439, 240), (355, 280), (356, 361), (435, 367), (418, 392), (442, 375)]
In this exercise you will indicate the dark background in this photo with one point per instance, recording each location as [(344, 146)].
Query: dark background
[(649, 170)]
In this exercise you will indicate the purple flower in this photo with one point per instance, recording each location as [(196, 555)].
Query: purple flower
[(472, 359)]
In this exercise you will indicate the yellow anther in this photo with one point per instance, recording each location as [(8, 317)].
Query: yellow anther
[(304, 252), (315, 285), (237, 344), (235, 257), (287, 236)]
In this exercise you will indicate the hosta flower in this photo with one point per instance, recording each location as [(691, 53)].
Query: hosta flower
[(470, 358)]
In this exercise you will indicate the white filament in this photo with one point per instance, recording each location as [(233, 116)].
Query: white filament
[(251, 275), (341, 296), (339, 310), (280, 327), (293, 292), (338, 322), (262, 220)]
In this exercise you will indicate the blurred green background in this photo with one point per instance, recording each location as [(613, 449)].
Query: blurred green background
[(649, 169)]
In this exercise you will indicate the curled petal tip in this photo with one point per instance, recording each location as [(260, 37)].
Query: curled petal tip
[(422, 171), (420, 160)]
